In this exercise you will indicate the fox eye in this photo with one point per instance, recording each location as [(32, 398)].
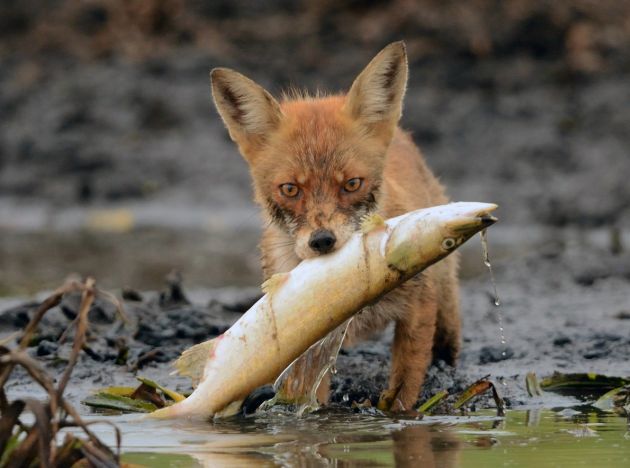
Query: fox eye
[(289, 190), (352, 185)]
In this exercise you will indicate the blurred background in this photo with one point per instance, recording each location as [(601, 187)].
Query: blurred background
[(113, 161)]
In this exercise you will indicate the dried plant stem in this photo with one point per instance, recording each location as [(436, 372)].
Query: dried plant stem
[(39, 446)]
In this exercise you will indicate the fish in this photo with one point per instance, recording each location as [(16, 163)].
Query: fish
[(305, 304)]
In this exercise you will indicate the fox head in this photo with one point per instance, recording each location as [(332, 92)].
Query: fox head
[(316, 162)]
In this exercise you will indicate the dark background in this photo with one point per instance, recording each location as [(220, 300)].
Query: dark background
[(114, 162)]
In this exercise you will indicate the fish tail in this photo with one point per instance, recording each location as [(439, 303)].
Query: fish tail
[(195, 406), (168, 412), (193, 361), (196, 409)]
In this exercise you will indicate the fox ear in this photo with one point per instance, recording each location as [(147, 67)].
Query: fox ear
[(247, 109), (375, 99)]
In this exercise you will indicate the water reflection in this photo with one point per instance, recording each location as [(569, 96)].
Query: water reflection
[(425, 446), (532, 417), (340, 438), (411, 446)]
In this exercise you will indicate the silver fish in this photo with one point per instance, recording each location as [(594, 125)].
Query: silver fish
[(304, 305)]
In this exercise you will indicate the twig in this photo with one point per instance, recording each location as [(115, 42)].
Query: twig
[(48, 418), (79, 339), (44, 307)]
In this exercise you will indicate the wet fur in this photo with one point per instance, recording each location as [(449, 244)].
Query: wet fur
[(319, 143)]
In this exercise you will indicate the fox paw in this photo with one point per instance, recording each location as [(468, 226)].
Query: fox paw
[(392, 400)]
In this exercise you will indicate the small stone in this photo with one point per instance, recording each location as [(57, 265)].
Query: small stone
[(46, 348), (132, 295), (623, 315), (562, 341), (257, 398)]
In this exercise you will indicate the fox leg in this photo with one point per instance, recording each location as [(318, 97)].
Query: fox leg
[(411, 354), (447, 341), (448, 333)]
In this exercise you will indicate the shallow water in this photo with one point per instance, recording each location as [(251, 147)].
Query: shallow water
[(342, 438)]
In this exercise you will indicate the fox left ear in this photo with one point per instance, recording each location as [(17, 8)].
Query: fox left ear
[(249, 112), (375, 98)]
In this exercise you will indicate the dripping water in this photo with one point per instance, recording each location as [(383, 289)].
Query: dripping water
[(497, 301), (321, 357), (330, 346), (486, 261)]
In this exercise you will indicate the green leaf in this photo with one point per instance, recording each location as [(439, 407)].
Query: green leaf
[(118, 402), (616, 400), (532, 385), (177, 397), (432, 402), (119, 391), (479, 387), (559, 381), (12, 443)]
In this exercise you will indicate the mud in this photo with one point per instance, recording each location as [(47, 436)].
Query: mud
[(553, 321)]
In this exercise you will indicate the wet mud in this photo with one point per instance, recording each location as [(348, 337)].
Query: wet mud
[(553, 320)]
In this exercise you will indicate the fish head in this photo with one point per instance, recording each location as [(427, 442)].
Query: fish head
[(460, 221), (426, 236)]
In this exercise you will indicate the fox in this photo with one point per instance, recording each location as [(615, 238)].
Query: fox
[(319, 164)]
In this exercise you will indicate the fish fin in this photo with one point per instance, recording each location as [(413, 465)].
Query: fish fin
[(273, 283), (193, 361), (230, 410), (369, 222), (168, 412)]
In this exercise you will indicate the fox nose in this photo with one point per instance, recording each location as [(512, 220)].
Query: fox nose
[(322, 241)]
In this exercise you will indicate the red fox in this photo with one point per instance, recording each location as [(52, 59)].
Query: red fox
[(321, 163)]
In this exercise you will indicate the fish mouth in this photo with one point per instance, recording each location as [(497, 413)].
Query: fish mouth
[(474, 220), (486, 220)]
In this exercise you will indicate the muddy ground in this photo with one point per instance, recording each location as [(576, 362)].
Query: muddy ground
[(557, 315), (114, 163)]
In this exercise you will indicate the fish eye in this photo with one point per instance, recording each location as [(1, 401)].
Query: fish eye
[(289, 190), (448, 243), (352, 185)]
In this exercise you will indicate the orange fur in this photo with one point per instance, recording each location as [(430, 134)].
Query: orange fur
[(318, 144)]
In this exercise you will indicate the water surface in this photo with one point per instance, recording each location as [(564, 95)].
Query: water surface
[(540, 438)]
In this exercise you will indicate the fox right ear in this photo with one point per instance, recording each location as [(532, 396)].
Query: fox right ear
[(247, 109), (375, 98)]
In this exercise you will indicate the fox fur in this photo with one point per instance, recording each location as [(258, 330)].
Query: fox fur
[(305, 154)]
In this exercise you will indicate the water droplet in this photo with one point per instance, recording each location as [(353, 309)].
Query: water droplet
[(486, 261), (497, 301)]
